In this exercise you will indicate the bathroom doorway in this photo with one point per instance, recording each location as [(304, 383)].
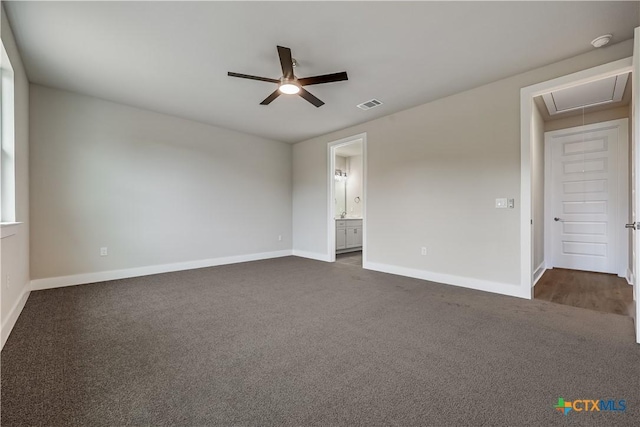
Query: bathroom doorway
[(347, 201)]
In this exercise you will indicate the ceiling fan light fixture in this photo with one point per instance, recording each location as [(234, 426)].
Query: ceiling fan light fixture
[(289, 88), (289, 84)]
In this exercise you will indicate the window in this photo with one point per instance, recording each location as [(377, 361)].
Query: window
[(7, 130)]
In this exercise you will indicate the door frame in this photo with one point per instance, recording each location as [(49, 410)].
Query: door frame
[(621, 235), (526, 191), (635, 177), (331, 215)]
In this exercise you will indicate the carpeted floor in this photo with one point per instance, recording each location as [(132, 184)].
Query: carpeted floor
[(298, 342)]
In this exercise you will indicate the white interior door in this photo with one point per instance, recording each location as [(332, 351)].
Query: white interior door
[(635, 181), (584, 197)]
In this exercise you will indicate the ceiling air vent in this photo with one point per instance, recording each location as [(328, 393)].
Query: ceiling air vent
[(369, 104)]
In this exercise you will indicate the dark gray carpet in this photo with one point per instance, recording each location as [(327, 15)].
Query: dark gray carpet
[(299, 342)]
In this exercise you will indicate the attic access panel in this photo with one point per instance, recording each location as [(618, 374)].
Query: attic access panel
[(589, 94)]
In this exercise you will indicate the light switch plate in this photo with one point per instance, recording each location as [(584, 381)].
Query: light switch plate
[(511, 203), (501, 203)]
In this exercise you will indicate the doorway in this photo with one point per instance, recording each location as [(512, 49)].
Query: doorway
[(533, 212), (347, 200), (586, 193), (586, 196)]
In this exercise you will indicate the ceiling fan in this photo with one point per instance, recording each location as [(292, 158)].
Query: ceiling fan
[(289, 84)]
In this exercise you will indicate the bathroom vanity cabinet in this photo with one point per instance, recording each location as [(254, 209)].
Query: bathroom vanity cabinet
[(348, 235)]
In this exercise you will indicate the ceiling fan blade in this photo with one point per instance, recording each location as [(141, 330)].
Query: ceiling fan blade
[(247, 76), (286, 62), (312, 99), (268, 99), (326, 78)]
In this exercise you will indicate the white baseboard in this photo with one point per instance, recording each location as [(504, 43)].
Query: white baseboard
[(447, 279), (311, 255), (629, 277), (539, 272), (80, 279), (14, 313)]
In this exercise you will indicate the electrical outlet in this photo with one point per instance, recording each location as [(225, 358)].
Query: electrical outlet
[(104, 251), (280, 238), (423, 251), (8, 281), (511, 203)]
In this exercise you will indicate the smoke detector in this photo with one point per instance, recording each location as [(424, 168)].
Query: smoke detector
[(602, 40)]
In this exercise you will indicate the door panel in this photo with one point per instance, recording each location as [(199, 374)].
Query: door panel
[(584, 197)]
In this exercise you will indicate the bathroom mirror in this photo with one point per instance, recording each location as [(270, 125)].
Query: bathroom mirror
[(341, 197), (348, 181)]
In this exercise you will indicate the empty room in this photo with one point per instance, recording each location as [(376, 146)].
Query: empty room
[(320, 213)]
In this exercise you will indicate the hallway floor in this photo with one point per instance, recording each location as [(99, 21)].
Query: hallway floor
[(606, 293)]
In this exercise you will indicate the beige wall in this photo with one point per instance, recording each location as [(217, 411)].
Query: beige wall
[(537, 181), (154, 189), (589, 118), (434, 172), (14, 252)]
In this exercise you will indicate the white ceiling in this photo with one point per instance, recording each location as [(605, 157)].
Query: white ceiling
[(172, 57)]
